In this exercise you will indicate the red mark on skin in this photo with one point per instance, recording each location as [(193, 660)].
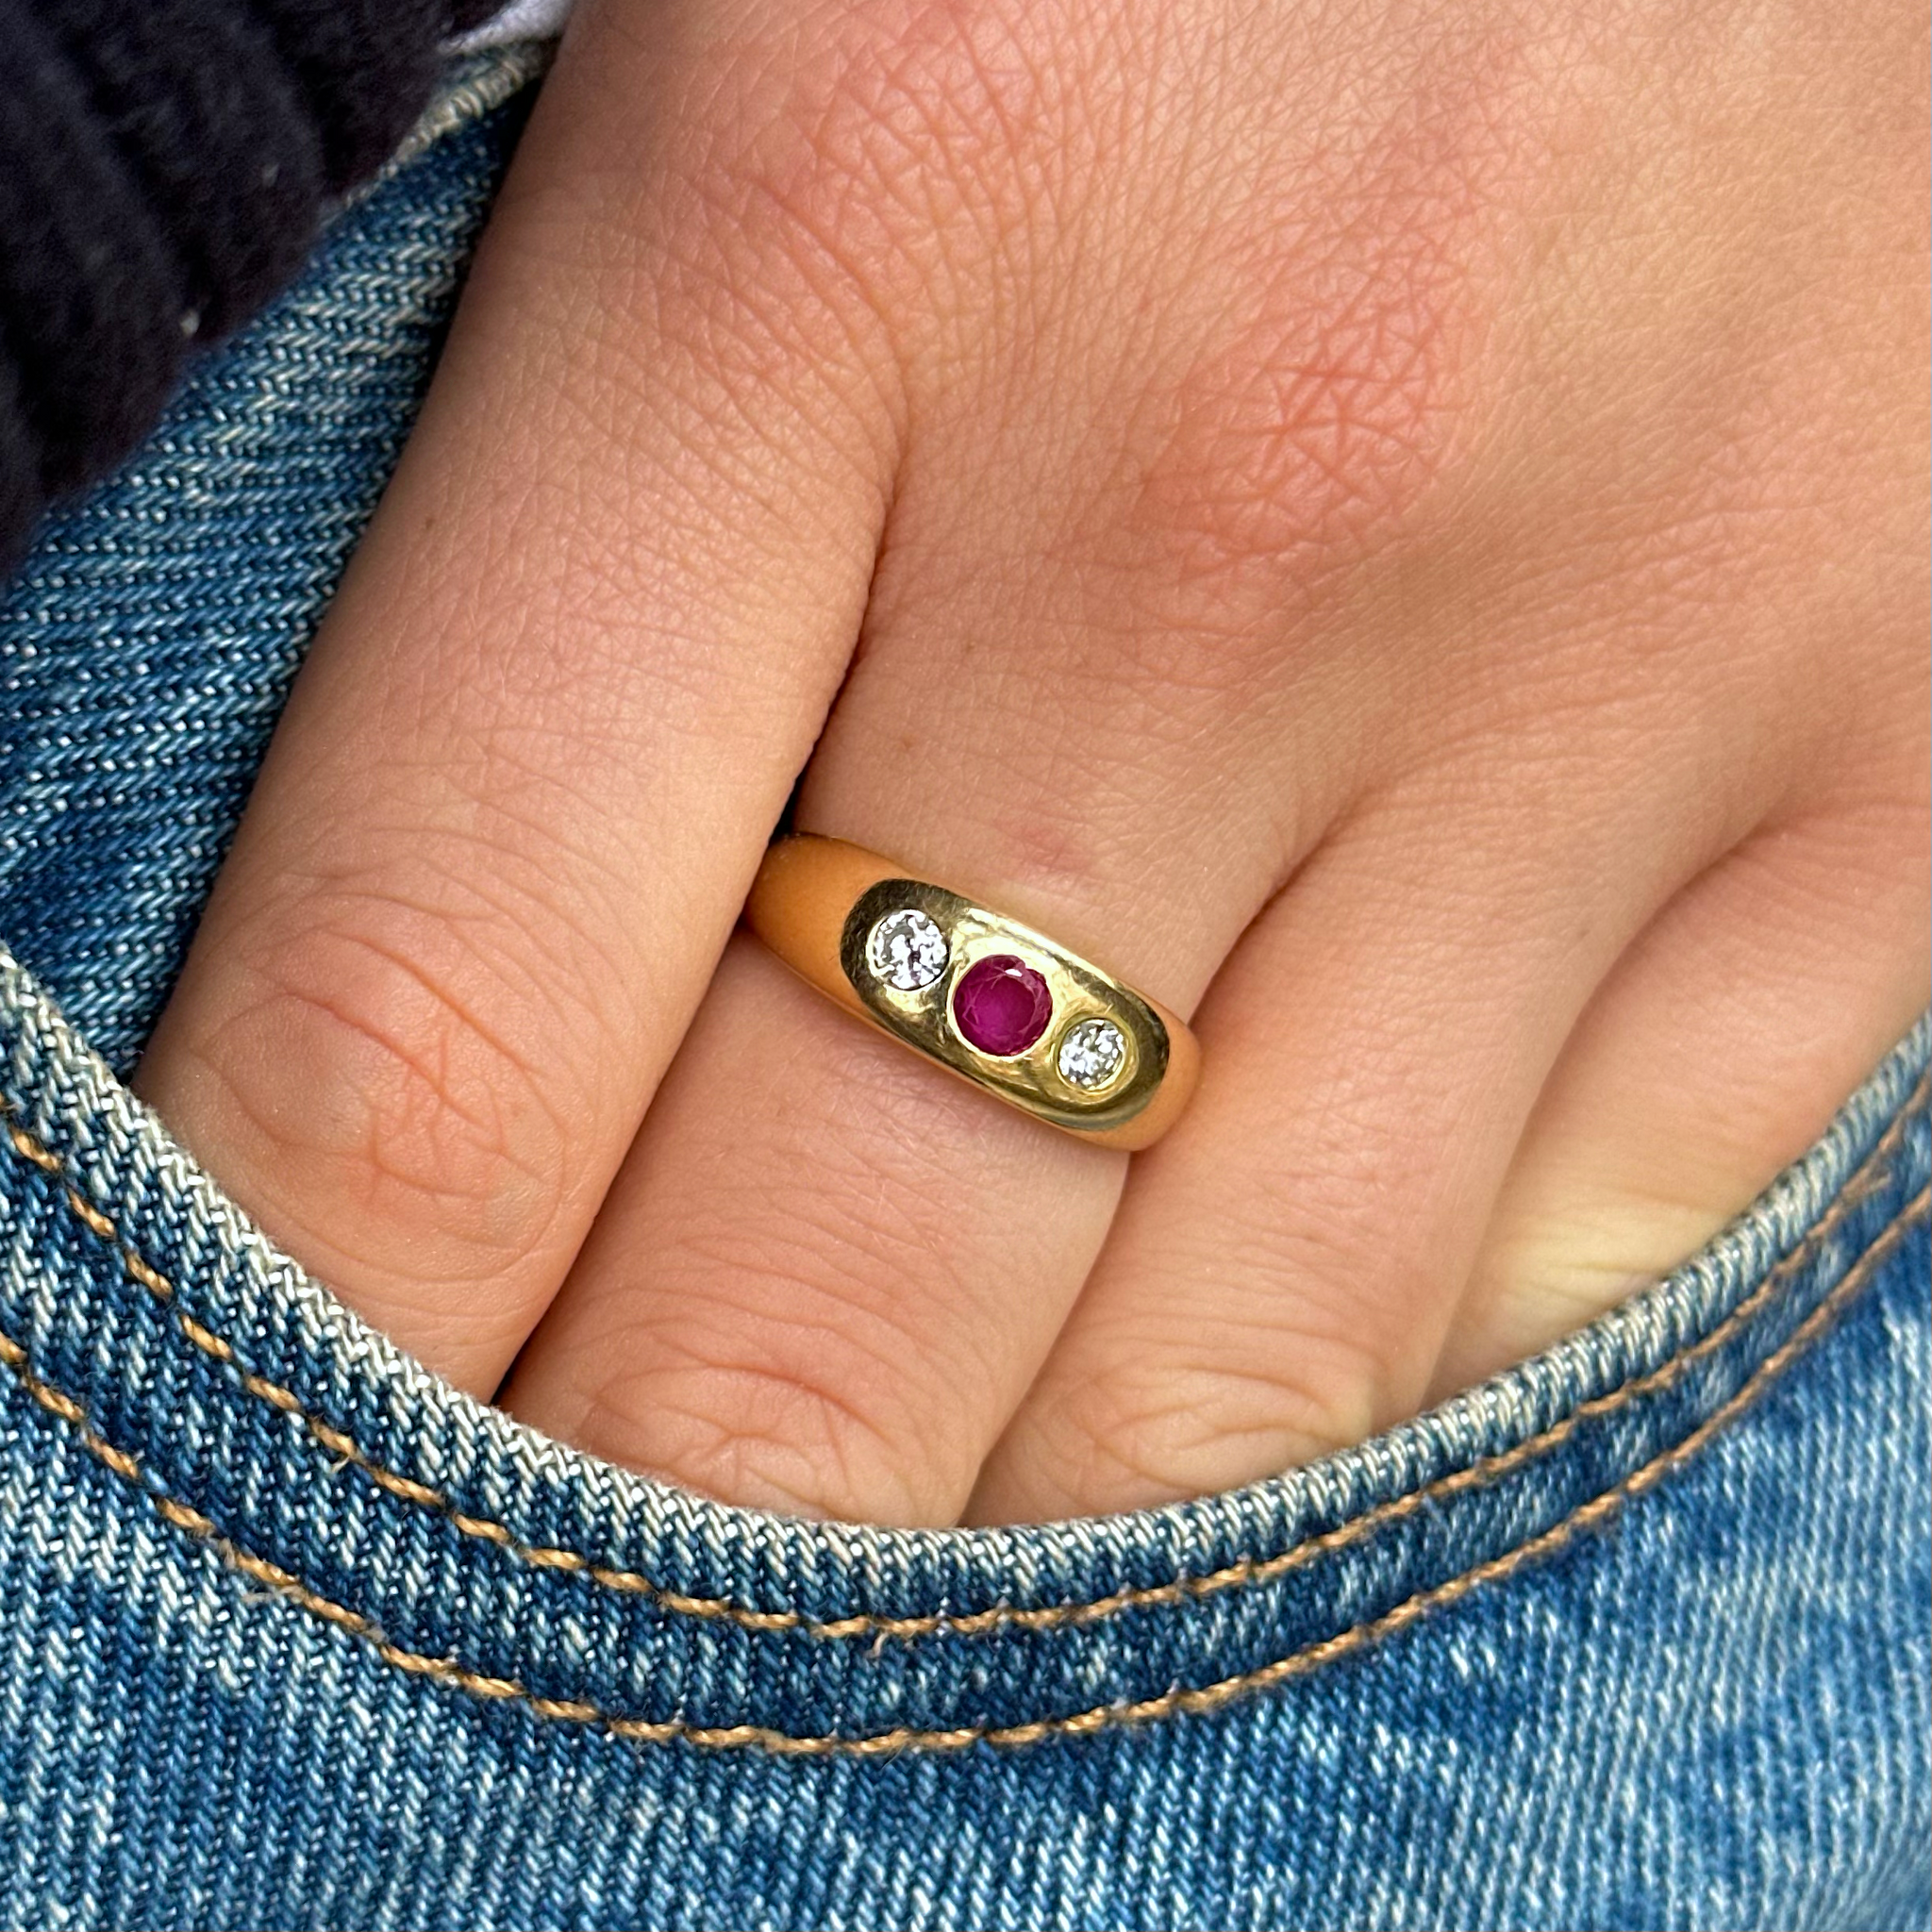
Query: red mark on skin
[(1351, 299)]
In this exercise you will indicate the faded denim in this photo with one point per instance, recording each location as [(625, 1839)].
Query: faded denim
[(292, 1634)]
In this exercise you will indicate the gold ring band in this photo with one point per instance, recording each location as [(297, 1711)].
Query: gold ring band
[(990, 1000)]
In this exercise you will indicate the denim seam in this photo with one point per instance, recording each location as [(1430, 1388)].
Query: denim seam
[(1176, 1702), (1246, 1573)]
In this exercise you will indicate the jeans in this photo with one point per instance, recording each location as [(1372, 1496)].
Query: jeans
[(293, 1633)]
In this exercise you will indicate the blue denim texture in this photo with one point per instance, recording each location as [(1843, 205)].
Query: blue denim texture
[(293, 1634)]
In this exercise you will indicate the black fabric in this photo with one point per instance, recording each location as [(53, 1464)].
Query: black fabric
[(365, 69), (164, 166)]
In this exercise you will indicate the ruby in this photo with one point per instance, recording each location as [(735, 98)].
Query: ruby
[(1002, 1006)]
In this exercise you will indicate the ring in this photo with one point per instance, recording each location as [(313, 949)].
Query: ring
[(992, 1000)]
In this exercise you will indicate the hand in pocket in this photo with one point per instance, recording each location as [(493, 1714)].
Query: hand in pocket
[(1399, 534)]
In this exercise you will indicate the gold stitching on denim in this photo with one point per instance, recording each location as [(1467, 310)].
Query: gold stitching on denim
[(28, 1148), (150, 1279), (1245, 1572), (90, 1217), (1179, 1701)]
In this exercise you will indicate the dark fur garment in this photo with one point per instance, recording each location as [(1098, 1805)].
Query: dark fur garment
[(165, 167)]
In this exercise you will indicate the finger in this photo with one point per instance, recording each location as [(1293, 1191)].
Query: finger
[(1714, 1055), (1277, 1281), (830, 1272), (1108, 589), (514, 805), (793, 1298)]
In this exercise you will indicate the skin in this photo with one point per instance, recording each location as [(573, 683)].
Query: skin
[(1398, 530)]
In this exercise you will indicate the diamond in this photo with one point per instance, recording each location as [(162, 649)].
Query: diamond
[(906, 950), (1092, 1054), (1002, 1006)]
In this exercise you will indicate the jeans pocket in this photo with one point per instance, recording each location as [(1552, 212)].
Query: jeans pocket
[(1632, 1634)]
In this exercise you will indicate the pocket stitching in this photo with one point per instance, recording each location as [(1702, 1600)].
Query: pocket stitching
[(1246, 1573), (1177, 1701)]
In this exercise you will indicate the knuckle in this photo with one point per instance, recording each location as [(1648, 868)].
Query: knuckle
[(794, 1373), (1318, 1337), (1308, 422), (1310, 431), (899, 100), (1265, 1403), (893, 151), (383, 1106), (726, 1412), (1323, 365)]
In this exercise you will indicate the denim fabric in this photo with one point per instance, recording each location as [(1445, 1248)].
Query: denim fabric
[(148, 641), (293, 1634)]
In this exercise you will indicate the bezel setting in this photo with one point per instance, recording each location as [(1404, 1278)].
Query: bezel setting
[(906, 950), (922, 1016), (1092, 1053)]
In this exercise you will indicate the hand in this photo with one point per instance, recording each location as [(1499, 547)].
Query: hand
[(1398, 531)]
